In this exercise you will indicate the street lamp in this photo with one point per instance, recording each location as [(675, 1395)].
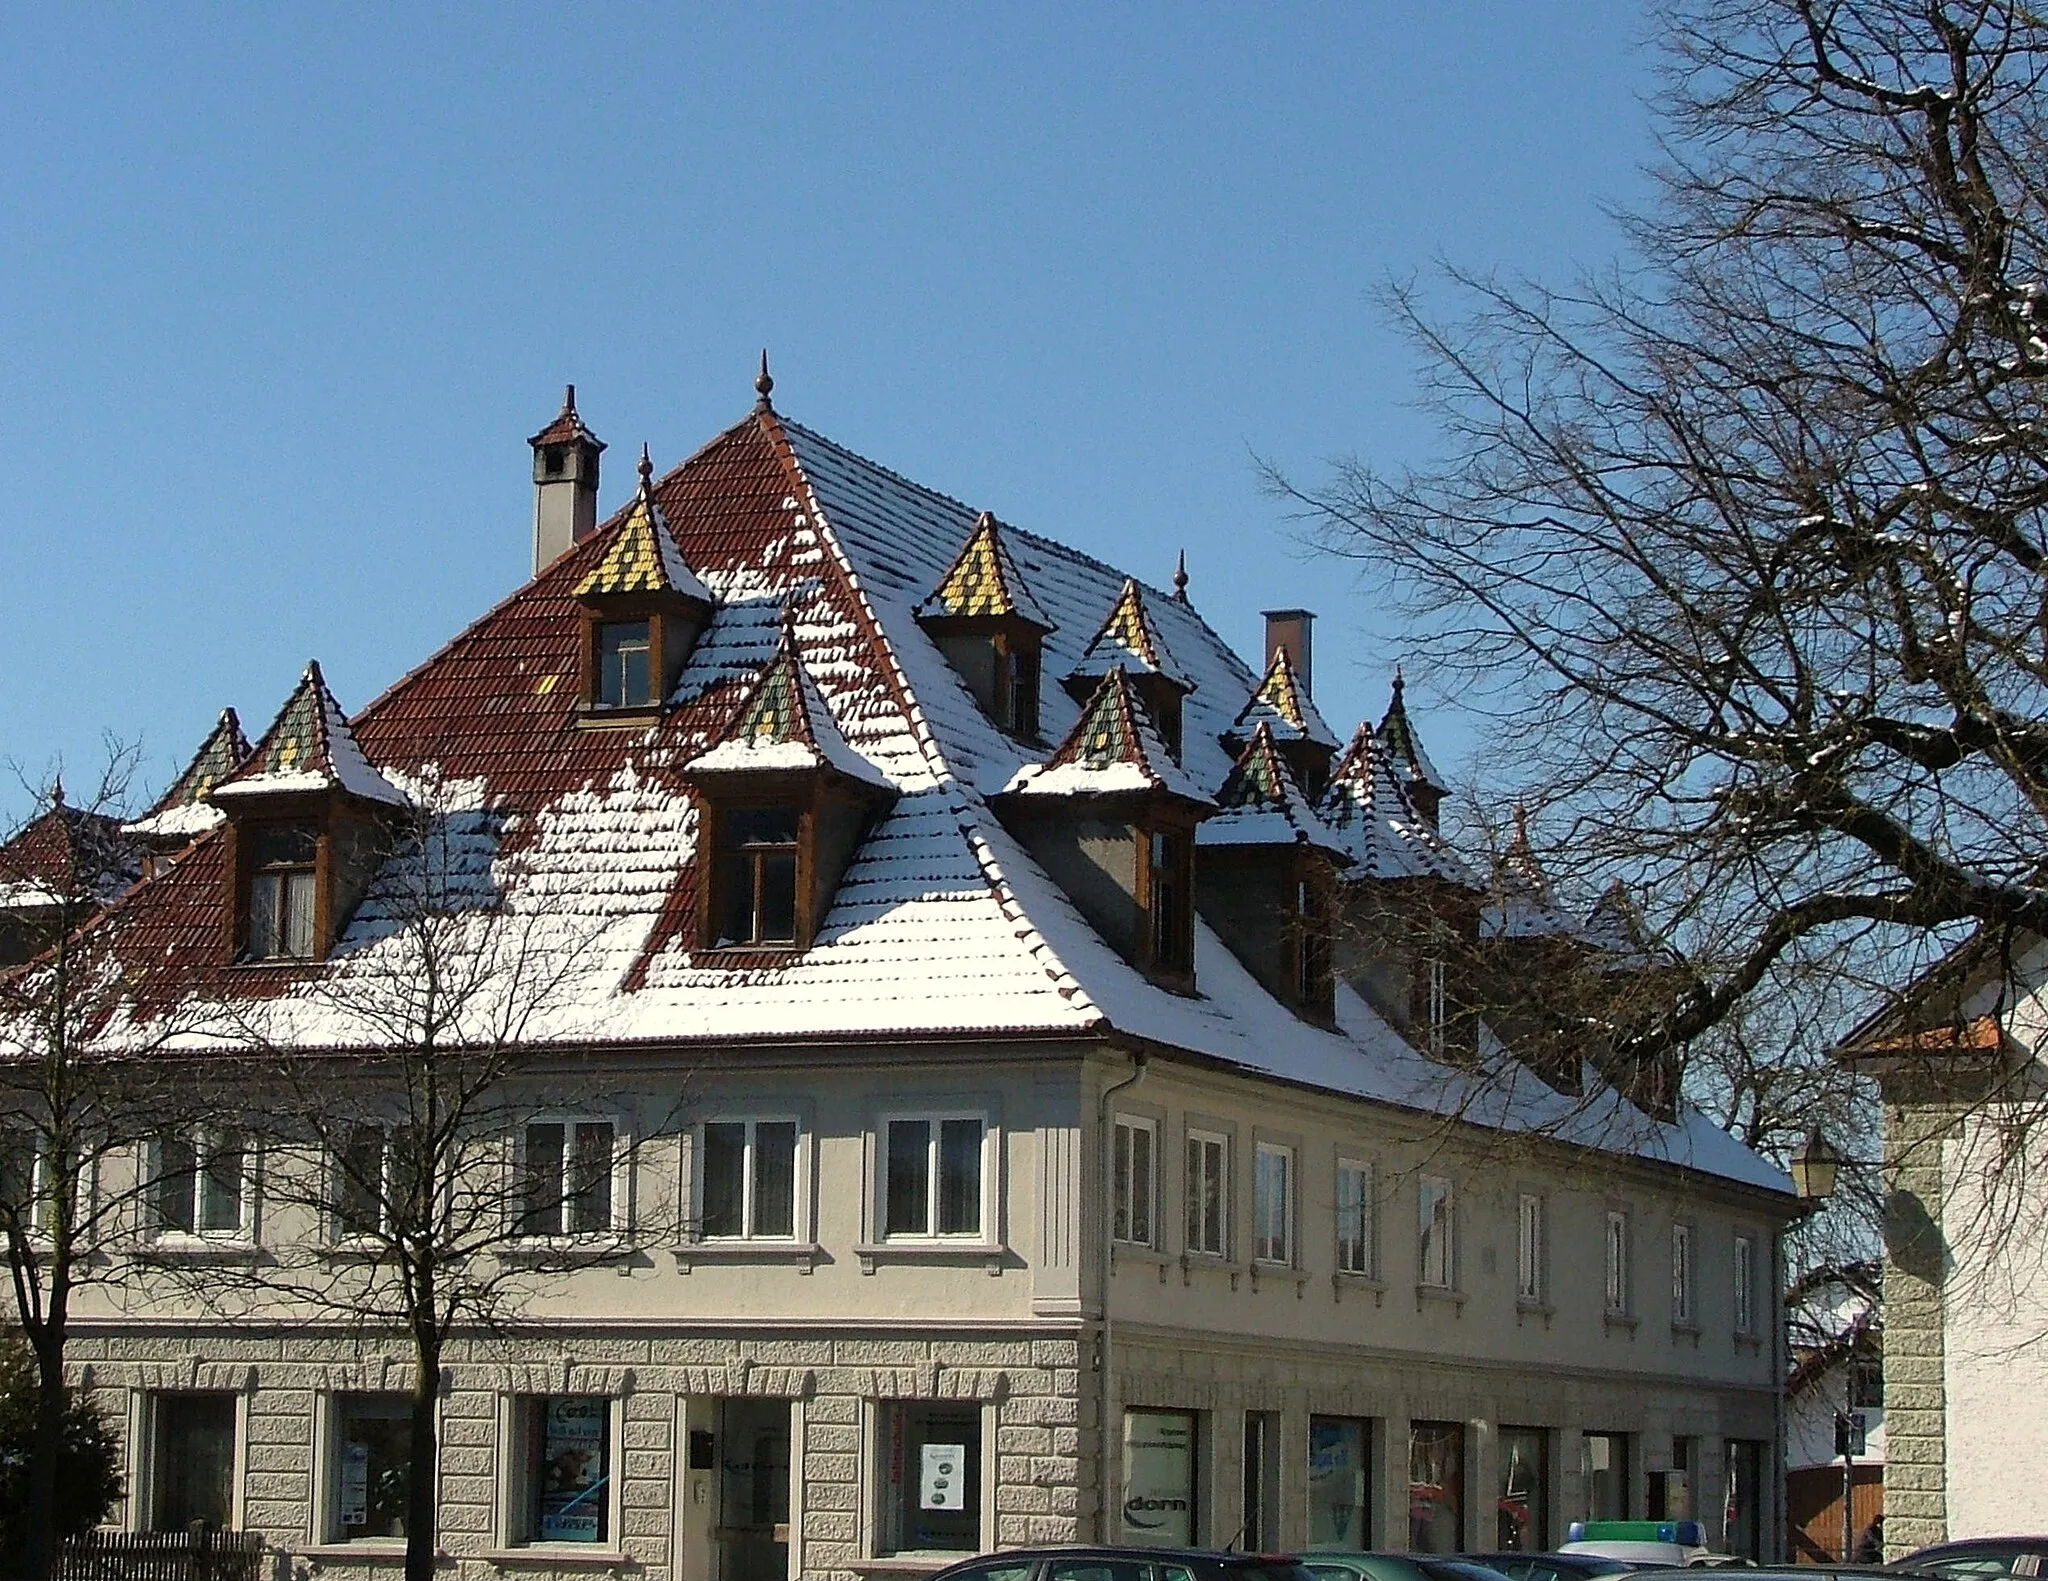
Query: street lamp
[(1815, 1163)]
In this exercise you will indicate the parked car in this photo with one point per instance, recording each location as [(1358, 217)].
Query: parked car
[(1125, 1564), (1344, 1566), (1554, 1567), (1979, 1556), (1676, 1544), (1748, 1572)]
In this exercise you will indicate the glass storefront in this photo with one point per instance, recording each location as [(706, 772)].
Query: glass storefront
[(1339, 1482), (932, 1498), (1159, 1479), (192, 1461), (1603, 1464), (373, 1446), (1522, 1509), (1436, 1487)]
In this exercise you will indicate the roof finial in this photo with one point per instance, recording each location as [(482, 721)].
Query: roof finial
[(646, 468), (789, 624), (57, 792), (1521, 823), (986, 520), (764, 385), (1180, 577), (1399, 683), (568, 398)]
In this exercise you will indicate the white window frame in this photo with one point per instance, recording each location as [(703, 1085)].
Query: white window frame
[(144, 1461), (515, 1489), (569, 1120), (327, 1467), (1616, 1248), (1366, 1265), (338, 1232), (205, 1146), (38, 1150), (1745, 1285), (1200, 1137), (1264, 1249), (1532, 1270), (1126, 1183), (1425, 1221), (1683, 1304), (799, 1221), (984, 1233)]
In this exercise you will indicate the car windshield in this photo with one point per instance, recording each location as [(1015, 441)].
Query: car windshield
[(1271, 1570)]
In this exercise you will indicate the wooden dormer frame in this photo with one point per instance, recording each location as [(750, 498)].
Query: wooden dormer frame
[(1159, 819), (325, 814), (1005, 635), (674, 623)]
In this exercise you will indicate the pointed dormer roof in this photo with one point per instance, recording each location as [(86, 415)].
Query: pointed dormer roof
[(1524, 905), (642, 556), (1369, 807), (983, 581), (784, 726), (568, 426), (308, 747), (1616, 927), (1130, 641), (1397, 731), (1282, 704), (1263, 805), (1114, 749), (183, 810)]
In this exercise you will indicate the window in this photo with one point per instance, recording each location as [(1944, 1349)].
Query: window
[(1019, 670), (1522, 1522), (1437, 1008), (1866, 1384), (31, 1183), (1355, 1250), (568, 1178), (1436, 1488), (1436, 1255), (192, 1461), (1312, 945), (372, 1448), (1745, 1284), (1681, 1274), (1134, 1171), (1208, 1193), (625, 664), (565, 1469), (1617, 1262), (1529, 1248), (201, 1183), (933, 1178), (359, 1183), (1339, 1483), (282, 865), (749, 1186), (1170, 872), (1273, 1204), (757, 859), (1603, 1467), (1158, 1506), (931, 1498)]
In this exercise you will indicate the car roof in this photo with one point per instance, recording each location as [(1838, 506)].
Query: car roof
[(1223, 1556)]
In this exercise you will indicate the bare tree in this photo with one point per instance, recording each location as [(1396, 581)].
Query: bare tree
[(1748, 535)]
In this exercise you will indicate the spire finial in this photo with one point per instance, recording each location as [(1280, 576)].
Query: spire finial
[(1521, 823), (764, 384), (568, 398), (985, 520), (646, 468), (789, 624), (1399, 683), (1180, 577), (57, 792)]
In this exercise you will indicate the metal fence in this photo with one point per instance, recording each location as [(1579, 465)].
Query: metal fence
[(202, 1553)]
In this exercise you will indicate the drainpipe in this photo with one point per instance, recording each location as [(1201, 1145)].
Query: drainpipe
[(1105, 1449)]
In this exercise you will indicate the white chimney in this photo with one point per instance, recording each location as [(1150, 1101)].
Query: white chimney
[(564, 484)]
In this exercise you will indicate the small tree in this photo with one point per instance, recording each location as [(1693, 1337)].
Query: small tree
[(87, 1459)]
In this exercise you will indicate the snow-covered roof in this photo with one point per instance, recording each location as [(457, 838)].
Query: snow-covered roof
[(818, 561), (1263, 805), (1282, 704), (1368, 807), (183, 811), (783, 724), (1113, 749), (310, 746), (1397, 730)]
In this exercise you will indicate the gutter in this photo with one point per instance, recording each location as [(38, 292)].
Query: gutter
[(1105, 1454)]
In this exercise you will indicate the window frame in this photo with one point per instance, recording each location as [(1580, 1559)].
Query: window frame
[(1207, 1137), (799, 1218), (1287, 1156), (882, 1416), (204, 1141), (1532, 1248), (1684, 1281), (1617, 1256), (518, 1495), (648, 647), (1743, 1284), (315, 868), (715, 815), (1124, 1180), (329, 1461), (619, 1214), (1425, 1222), (1175, 967), (984, 1233), (1367, 1226), (146, 1490)]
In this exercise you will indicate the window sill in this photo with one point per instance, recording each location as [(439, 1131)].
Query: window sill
[(1281, 1274), (550, 1555), (364, 1548), (910, 1564), (1190, 1261), (1364, 1284), (201, 1249), (1442, 1295), (989, 1254), (1525, 1308), (1686, 1331), (1749, 1341), (623, 716), (1145, 1256), (803, 1255), (1625, 1322), (565, 1251)]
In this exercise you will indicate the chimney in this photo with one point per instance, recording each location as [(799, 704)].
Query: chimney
[(1291, 629), (564, 484)]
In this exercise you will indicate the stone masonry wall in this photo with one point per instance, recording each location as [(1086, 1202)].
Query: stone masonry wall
[(1915, 1266)]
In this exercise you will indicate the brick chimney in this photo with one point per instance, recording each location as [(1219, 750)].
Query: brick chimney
[(1292, 629), (564, 484)]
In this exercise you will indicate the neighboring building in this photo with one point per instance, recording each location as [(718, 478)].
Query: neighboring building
[(1835, 1320), (1958, 1065), (1079, 1058)]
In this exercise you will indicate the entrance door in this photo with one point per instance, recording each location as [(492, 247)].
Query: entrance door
[(753, 1513)]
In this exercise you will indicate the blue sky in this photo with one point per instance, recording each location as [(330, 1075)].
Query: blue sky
[(283, 290)]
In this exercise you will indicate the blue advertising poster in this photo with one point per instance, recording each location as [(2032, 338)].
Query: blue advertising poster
[(572, 1472)]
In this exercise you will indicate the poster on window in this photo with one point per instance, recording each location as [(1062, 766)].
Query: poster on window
[(1159, 1479), (572, 1479), (355, 1485), (943, 1483)]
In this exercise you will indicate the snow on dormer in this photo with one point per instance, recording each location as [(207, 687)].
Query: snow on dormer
[(1367, 804), (183, 812), (309, 747), (991, 630), (1129, 641), (1281, 706), (1263, 805), (1114, 749), (1426, 788)]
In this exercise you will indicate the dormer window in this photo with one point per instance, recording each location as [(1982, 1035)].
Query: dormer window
[(283, 893), (985, 621), (1311, 934), (625, 664), (760, 853), (1169, 882), (1130, 642), (1017, 696)]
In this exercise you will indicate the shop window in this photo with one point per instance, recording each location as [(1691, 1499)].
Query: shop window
[(1436, 1488), (1744, 1536), (1208, 1192), (567, 1186), (1617, 1262), (1523, 1519), (625, 664), (1135, 1174), (1273, 1204), (564, 1469), (1603, 1467), (1339, 1482), (372, 1446), (1436, 1248), (1681, 1274), (282, 910), (200, 1184), (931, 1492), (1529, 1248), (1356, 1253), (192, 1461), (1169, 881), (1745, 1285), (1260, 1530), (933, 1176), (1158, 1509), (1668, 1494), (749, 1181), (757, 874)]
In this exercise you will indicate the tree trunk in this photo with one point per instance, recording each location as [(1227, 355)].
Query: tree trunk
[(40, 1535), (422, 1467)]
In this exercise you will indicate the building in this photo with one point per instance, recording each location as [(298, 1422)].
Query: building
[(1835, 1316), (1957, 1065), (1079, 1069)]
